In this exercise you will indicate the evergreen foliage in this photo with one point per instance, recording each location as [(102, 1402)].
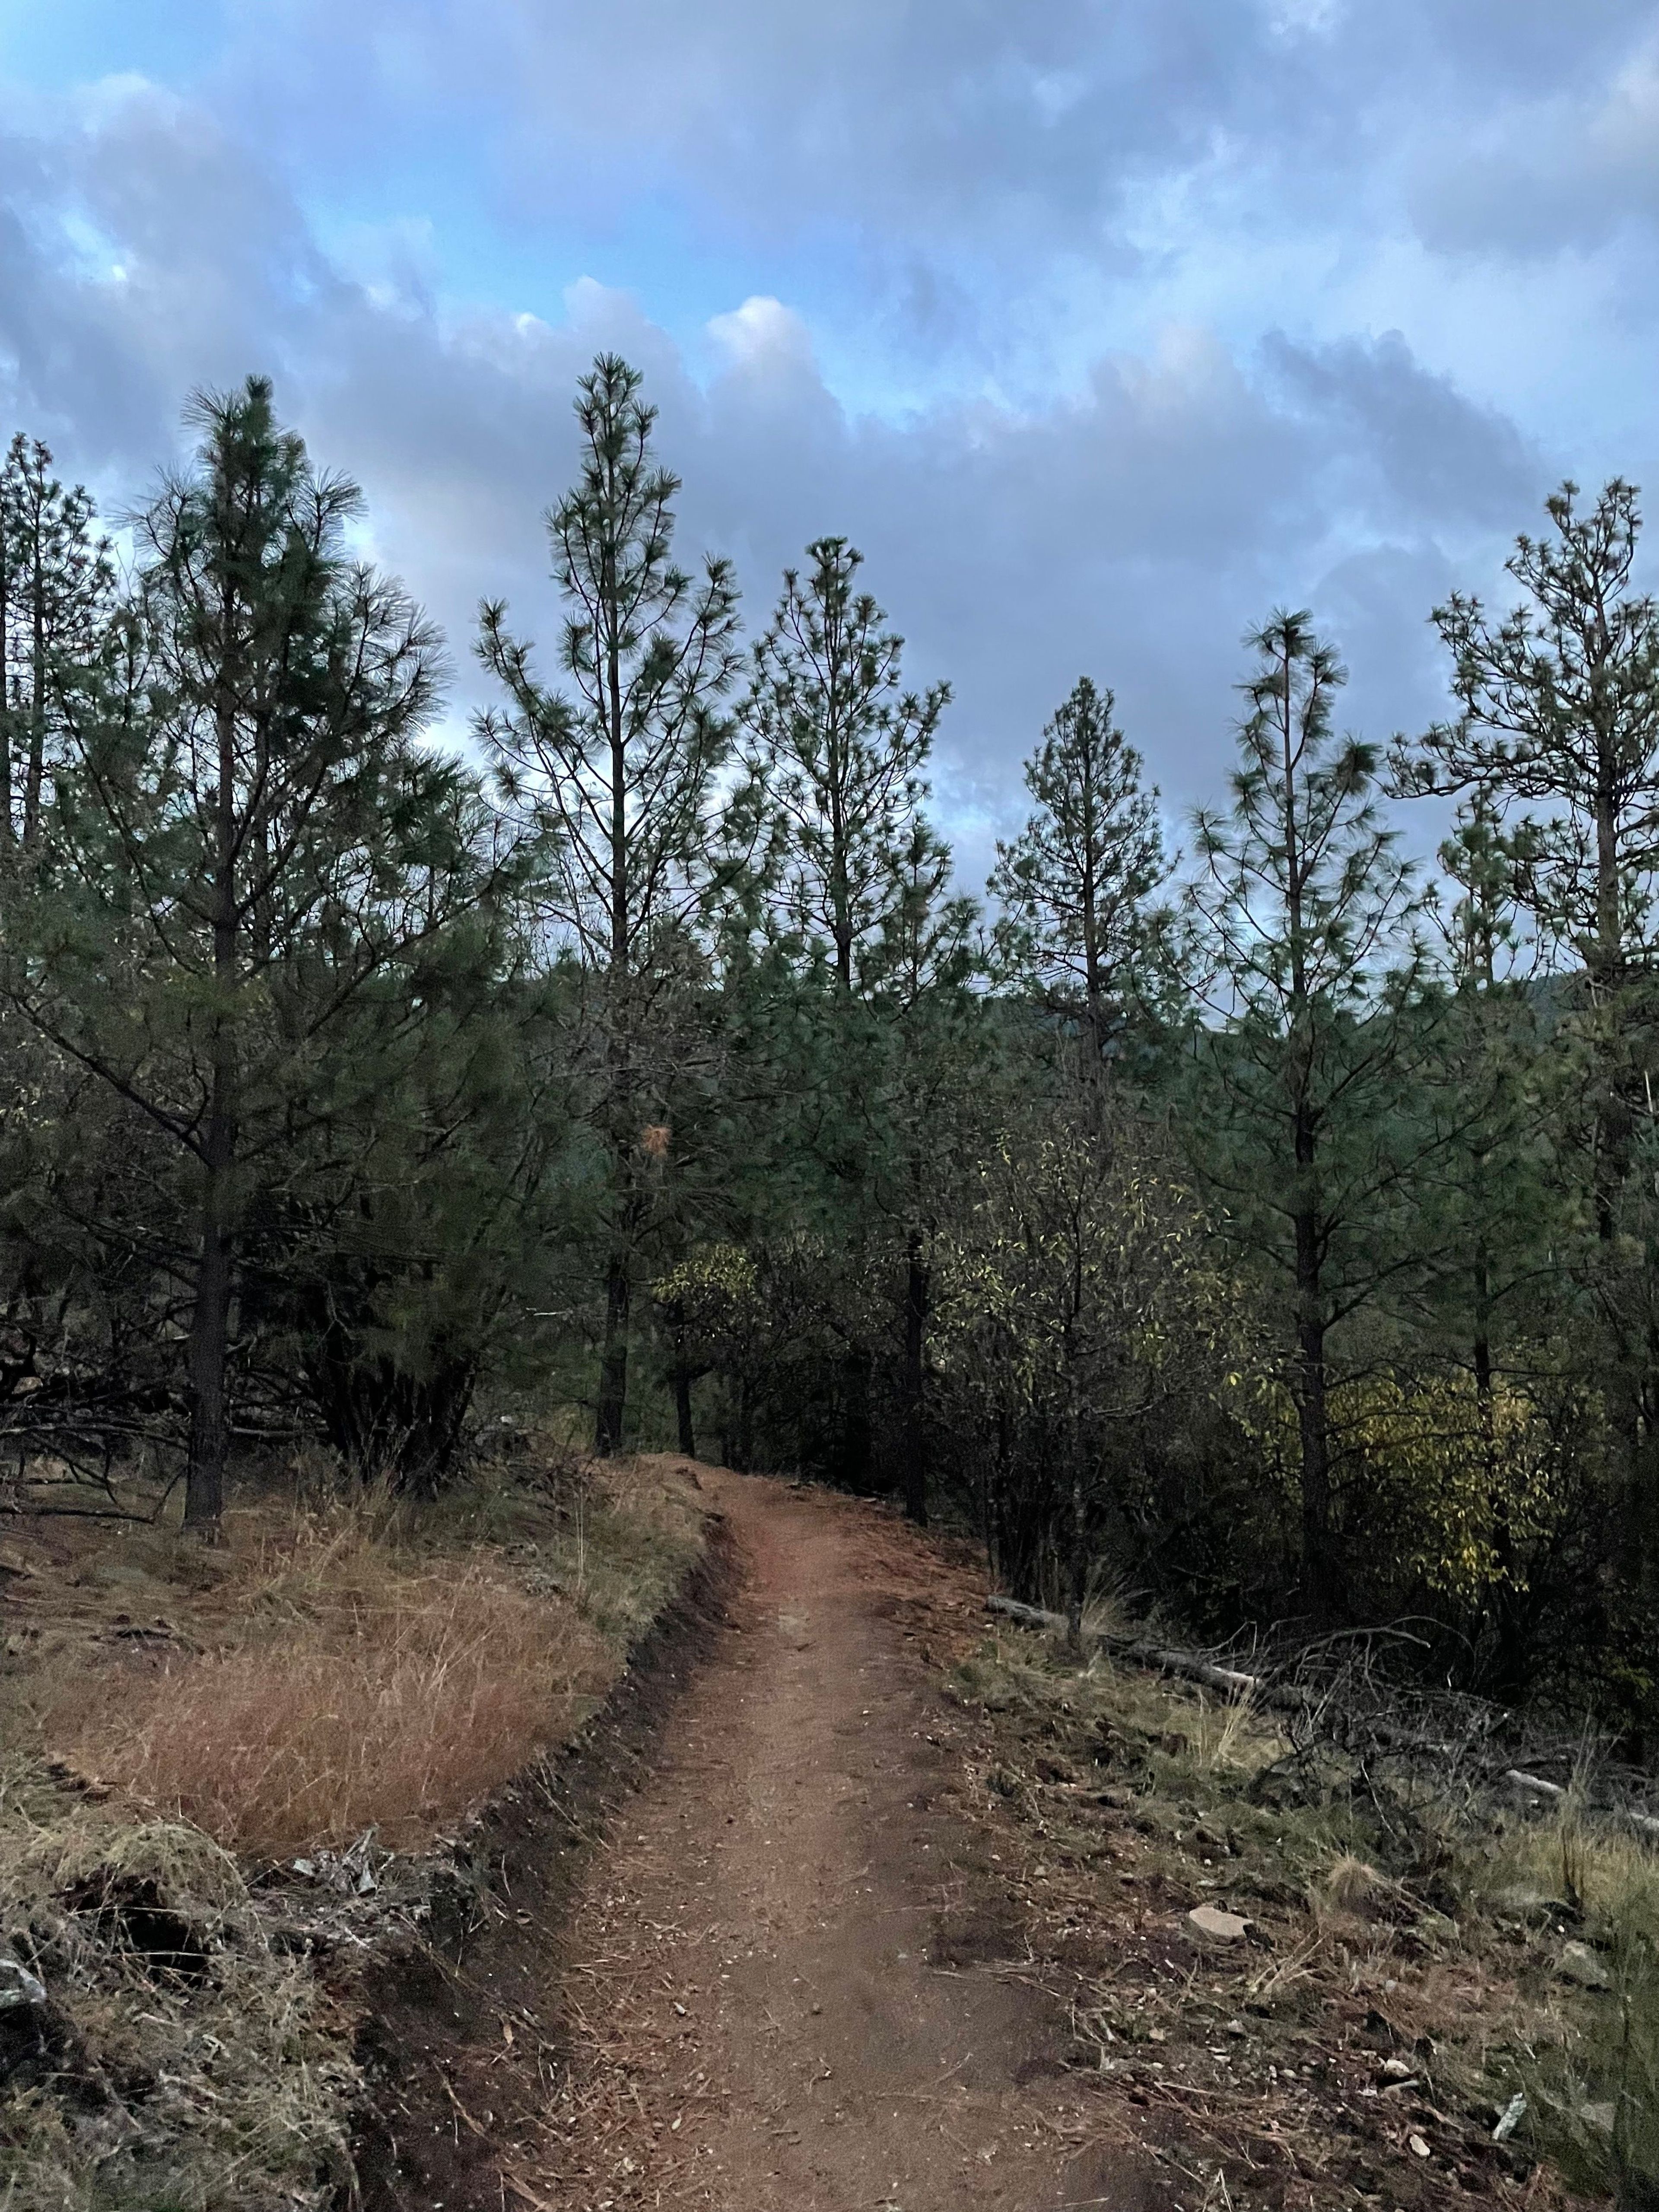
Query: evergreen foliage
[(619, 782), (1279, 1232), (1078, 929)]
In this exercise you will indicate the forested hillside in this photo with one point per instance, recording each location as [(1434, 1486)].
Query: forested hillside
[(1267, 1225)]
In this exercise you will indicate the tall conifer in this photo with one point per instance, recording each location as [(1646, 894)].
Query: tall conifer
[(620, 775)]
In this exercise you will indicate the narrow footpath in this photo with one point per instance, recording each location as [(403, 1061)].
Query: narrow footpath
[(792, 1982)]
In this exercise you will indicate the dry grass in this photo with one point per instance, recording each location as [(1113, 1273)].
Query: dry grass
[(326, 1670), (181, 2063), (339, 1668), (1353, 1886), (1386, 1990), (427, 1695)]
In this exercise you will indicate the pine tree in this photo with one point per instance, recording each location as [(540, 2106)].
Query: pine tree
[(1557, 734), (247, 799), (55, 580), (838, 751), (620, 780), (874, 948), (1079, 927), (1302, 902), (1559, 709), (1491, 1293), (932, 1048)]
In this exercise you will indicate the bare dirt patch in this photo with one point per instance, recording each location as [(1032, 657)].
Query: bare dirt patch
[(891, 1913), (798, 1977), (461, 2043)]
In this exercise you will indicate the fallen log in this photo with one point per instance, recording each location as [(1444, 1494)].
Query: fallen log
[(1284, 1697), (1281, 1697), (1518, 1779), (1186, 1663)]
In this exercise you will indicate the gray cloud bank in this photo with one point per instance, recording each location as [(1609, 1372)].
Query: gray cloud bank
[(1132, 526)]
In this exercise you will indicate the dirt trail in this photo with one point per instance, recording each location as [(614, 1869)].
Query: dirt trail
[(789, 1984)]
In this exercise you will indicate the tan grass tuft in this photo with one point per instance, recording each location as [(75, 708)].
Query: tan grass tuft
[(1353, 1886), (429, 1693)]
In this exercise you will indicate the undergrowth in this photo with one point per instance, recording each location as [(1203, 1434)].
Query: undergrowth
[(182, 1726), (179, 2062), (1419, 1952)]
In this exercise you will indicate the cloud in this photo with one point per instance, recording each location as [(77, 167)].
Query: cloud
[(1574, 168), (1132, 526)]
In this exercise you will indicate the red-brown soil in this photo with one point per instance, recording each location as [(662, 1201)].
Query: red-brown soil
[(807, 1924), (794, 1980)]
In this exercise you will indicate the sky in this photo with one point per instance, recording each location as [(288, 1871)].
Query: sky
[(1102, 327)]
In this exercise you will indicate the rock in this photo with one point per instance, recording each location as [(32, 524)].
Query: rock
[(1526, 1901), (1579, 1965), (1221, 1927), (18, 1986), (1398, 2070), (1511, 2117), (1417, 2146)]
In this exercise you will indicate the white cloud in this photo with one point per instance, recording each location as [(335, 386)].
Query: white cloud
[(762, 334), (1092, 209)]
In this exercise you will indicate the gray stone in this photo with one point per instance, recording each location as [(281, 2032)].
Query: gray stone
[(1579, 1965), (1221, 1927)]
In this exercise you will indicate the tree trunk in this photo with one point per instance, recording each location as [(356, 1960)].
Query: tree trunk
[(209, 1337), (916, 1287), (613, 1357), (6, 581), (1321, 1566), (1079, 1575), (855, 1435), (681, 1378), (1511, 1658), (1614, 1119), (742, 1458), (37, 762), (682, 1412), (209, 1325)]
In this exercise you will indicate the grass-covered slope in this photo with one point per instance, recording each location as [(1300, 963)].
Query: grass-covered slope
[(1401, 1957), (227, 1775)]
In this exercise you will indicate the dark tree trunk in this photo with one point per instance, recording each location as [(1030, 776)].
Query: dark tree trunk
[(210, 1338), (1509, 1607), (209, 1325), (682, 1412), (8, 581), (916, 1288), (38, 716), (1079, 1579), (613, 1357), (681, 1378), (1321, 1566), (856, 1429)]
